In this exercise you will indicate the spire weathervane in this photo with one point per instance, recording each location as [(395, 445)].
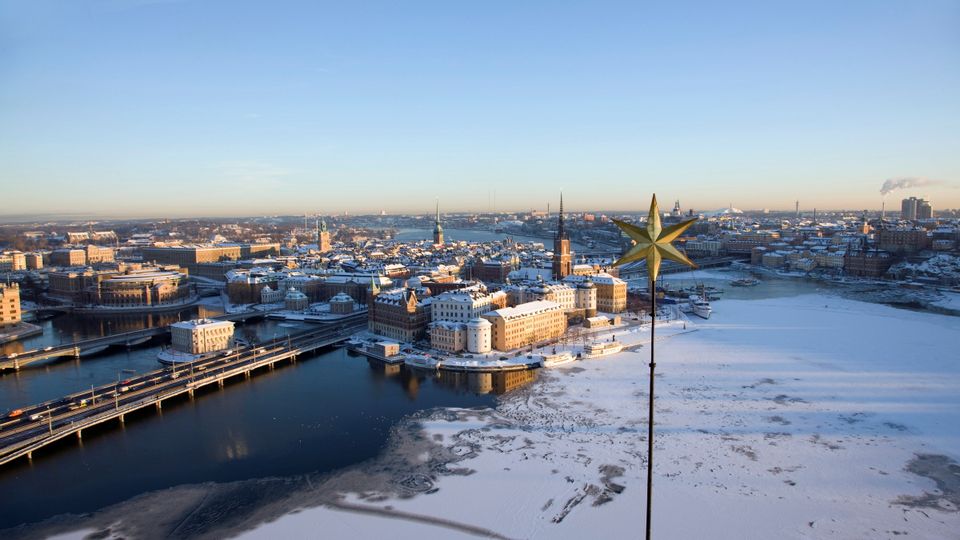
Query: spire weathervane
[(653, 243)]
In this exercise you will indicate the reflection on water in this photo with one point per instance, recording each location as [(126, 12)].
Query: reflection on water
[(463, 381), (77, 326), (323, 413)]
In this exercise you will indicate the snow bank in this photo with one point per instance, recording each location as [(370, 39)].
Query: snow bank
[(809, 416)]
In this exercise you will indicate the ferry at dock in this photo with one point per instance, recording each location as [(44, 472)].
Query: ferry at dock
[(554, 360), (604, 348)]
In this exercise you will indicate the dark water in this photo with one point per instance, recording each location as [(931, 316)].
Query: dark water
[(323, 413)]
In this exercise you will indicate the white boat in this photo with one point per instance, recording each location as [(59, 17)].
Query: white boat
[(701, 308), (559, 359), (602, 348)]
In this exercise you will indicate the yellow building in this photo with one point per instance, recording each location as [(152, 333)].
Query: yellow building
[(526, 324), (201, 336), (9, 305), (611, 291)]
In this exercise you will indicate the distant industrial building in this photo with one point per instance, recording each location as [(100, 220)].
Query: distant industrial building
[(914, 209)]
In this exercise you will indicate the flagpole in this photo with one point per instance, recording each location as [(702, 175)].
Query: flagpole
[(653, 326)]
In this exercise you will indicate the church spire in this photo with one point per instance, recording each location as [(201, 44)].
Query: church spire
[(561, 233), (437, 229)]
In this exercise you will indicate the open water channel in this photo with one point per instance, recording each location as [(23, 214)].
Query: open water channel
[(328, 411)]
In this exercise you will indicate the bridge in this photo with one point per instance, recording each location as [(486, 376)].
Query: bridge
[(637, 270), (37, 426), (88, 347)]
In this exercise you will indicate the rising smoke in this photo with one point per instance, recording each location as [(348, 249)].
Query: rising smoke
[(892, 184)]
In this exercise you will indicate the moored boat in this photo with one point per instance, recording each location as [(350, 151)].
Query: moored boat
[(559, 359), (701, 308), (603, 348)]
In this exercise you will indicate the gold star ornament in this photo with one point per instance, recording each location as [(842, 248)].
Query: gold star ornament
[(653, 243)]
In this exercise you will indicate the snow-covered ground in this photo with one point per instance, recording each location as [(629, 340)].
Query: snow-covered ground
[(810, 416)]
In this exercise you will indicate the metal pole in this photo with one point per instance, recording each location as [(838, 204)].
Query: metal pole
[(653, 365)]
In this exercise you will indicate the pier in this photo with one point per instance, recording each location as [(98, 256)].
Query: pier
[(39, 425), (88, 347)]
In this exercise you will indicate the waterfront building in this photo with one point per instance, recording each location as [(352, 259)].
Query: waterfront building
[(479, 338), (526, 324), (774, 259), (247, 286), (10, 313), (562, 258), (12, 261), (143, 288), (702, 248), (399, 315), (437, 229), (830, 259), (270, 296), (201, 336), (867, 263), (448, 336), (146, 287), (295, 300), (342, 304), (587, 298)]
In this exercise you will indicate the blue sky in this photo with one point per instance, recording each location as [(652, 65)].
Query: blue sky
[(170, 108)]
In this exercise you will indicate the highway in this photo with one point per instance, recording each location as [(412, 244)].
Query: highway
[(30, 428)]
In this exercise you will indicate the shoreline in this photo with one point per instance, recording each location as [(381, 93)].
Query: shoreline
[(753, 407)]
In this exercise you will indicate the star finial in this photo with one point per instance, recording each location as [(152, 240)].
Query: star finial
[(653, 243)]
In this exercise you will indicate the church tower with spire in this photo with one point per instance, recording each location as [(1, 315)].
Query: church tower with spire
[(437, 229), (562, 260), (323, 236)]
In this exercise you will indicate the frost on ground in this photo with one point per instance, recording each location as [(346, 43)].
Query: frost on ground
[(811, 416)]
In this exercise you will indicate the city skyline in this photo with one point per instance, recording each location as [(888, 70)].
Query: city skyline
[(177, 108)]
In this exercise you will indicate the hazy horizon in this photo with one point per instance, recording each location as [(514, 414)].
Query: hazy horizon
[(139, 108)]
